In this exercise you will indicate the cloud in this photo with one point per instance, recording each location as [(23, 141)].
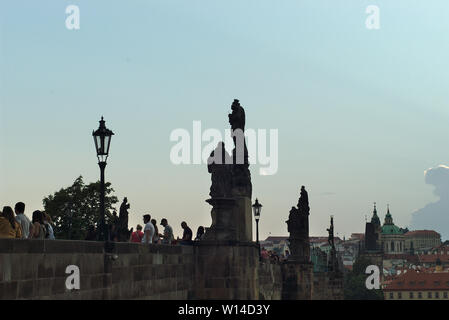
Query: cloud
[(435, 215)]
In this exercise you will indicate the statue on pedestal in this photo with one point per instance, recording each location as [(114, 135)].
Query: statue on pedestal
[(231, 186), (298, 227), (333, 261), (122, 223), (241, 176)]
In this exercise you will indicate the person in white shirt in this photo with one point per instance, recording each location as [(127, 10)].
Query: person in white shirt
[(148, 230), (22, 219)]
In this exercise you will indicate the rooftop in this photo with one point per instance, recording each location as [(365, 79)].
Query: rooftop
[(419, 281), (421, 232)]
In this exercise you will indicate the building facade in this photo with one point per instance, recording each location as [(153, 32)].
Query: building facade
[(392, 237), (414, 285), (421, 240)]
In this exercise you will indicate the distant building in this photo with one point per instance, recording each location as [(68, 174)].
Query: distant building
[(319, 260), (372, 242), (421, 240), (413, 285), (276, 244), (392, 237)]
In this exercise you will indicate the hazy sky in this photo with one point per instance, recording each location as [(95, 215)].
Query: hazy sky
[(361, 114)]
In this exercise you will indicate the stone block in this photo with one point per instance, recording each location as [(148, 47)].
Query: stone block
[(58, 285), (42, 287), (25, 289), (6, 246), (8, 290)]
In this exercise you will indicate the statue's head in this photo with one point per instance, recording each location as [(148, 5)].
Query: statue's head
[(235, 104), (303, 188), (125, 199)]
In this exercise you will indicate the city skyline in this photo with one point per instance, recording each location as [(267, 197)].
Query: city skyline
[(361, 114)]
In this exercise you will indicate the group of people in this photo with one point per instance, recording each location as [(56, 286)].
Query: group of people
[(151, 234), (14, 224), (272, 256)]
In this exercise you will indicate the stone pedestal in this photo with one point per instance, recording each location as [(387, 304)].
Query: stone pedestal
[(299, 250), (243, 218), (226, 270), (223, 221), (297, 281)]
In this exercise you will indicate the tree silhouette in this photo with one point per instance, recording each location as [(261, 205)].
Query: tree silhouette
[(74, 209)]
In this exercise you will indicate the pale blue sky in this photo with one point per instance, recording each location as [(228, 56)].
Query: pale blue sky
[(361, 113)]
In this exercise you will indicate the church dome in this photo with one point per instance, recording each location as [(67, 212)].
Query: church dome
[(389, 227)]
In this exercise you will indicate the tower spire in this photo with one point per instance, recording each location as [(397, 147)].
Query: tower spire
[(375, 218)]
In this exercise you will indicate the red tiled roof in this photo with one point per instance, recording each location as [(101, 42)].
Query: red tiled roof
[(322, 239), (276, 238), (359, 236), (432, 258), (419, 281), (422, 232), (311, 239)]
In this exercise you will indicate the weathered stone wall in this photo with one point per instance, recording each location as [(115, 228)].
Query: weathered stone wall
[(35, 269), (297, 281), (226, 270), (327, 287), (270, 281)]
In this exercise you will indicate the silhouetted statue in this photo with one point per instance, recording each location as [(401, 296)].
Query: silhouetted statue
[(218, 164), (298, 227), (122, 225), (237, 117), (333, 262), (303, 201), (330, 238), (241, 177)]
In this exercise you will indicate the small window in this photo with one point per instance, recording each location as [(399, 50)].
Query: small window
[(419, 295), (391, 295), (411, 295), (437, 295), (399, 295), (445, 295), (429, 295)]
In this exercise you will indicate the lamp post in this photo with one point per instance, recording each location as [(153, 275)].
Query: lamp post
[(257, 207), (102, 138)]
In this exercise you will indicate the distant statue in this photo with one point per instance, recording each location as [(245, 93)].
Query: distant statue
[(218, 164), (122, 227), (237, 117), (298, 227), (333, 261), (303, 202), (293, 222), (330, 238)]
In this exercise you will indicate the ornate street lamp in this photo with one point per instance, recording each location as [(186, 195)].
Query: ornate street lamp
[(102, 138), (257, 207)]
